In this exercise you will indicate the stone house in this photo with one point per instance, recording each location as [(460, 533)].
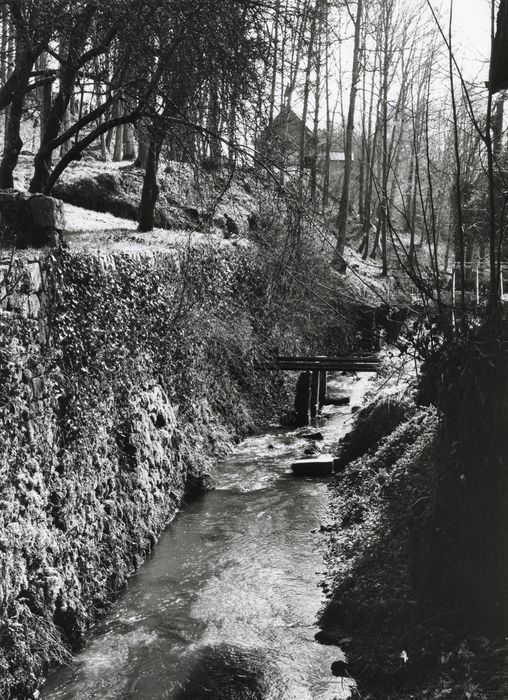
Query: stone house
[(279, 144)]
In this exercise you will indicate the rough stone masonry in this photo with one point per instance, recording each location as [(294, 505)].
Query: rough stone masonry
[(30, 220)]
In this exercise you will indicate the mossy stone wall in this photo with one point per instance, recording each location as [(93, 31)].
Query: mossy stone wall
[(121, 379)]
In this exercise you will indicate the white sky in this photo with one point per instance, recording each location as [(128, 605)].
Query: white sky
[(471, 39), (471, 25)]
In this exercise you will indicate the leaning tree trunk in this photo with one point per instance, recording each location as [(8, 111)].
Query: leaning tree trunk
[(71, 47)]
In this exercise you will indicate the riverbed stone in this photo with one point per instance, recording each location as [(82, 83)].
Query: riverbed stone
[(34, 306), (229, 672), (312, 449), (35, 272), (18, 302), (38, 385), (312, 435)]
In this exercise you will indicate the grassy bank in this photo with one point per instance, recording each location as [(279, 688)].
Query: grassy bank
[(386, 518)]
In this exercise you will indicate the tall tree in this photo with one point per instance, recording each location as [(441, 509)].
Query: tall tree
[(342, 218)]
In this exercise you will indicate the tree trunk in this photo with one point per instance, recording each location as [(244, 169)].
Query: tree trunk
[(370, 153), (214, 127), (320, 9), (150, 192), (12, 140), (342, 218), (329, 122), (118, 150), (129, 148), (384, 141), (71, 49), (363, 155), (4, 45), (306, 92), (408, 202), (275, 61), (66, 122), (377, 238), (46, 96), (143, 144), (4, 60)]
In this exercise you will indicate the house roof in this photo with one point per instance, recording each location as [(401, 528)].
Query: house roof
[(288, 118)]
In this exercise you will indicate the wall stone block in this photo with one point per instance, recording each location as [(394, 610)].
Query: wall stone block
[(34, 306), (35, 276), (30, 220)]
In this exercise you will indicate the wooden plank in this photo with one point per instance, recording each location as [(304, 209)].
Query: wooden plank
[(322, 363), (328, 366), (325, 358), (310, 368)]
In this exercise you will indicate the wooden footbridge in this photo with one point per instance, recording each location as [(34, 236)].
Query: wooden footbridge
[(312, 385)]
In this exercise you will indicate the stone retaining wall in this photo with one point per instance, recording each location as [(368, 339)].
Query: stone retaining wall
[(30, 220), (111, 410)]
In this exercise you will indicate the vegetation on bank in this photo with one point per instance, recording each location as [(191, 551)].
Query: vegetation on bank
[(153, 357), (416, 602), (116, 396)]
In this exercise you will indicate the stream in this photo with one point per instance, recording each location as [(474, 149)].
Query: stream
[(241, 564)]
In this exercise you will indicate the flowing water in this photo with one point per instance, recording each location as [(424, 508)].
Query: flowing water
[(242, 565)]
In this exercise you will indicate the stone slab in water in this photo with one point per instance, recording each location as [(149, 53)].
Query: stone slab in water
[(313, 466), (312, 435)]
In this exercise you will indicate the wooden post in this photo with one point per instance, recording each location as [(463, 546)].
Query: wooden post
[(453, 295), (314, 395), (323, 387), (303, 399)]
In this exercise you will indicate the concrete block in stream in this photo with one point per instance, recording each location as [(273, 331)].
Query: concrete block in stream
[(321, 465)]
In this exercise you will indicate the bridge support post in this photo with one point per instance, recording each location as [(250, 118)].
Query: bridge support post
[(323, 387), (314, 394), (303, 399)]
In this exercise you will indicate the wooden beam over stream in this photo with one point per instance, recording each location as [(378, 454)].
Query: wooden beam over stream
[(323, 364)]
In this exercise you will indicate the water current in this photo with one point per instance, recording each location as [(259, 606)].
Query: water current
[(241, 564)]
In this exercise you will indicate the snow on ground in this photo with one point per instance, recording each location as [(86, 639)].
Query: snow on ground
[(79, 219), (365, 278), (24, 170), (91, 231)]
